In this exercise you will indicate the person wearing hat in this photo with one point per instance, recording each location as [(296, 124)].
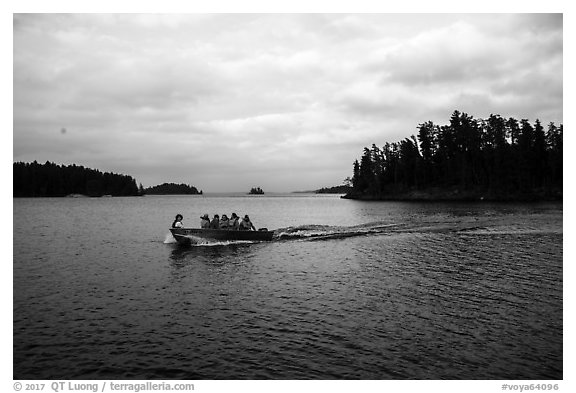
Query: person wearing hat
[(215, 223), (204, 222), (178, 221), (233, 222), (246, 224), (224, 222)]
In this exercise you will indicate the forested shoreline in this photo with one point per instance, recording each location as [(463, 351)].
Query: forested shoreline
[(467, 159), (51, 180)]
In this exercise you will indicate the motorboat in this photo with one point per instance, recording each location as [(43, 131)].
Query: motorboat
[(192, 235)]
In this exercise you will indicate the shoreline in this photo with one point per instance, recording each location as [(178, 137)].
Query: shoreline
[(455, 195)]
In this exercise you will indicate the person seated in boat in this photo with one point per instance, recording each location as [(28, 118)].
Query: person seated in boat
[(233, 222), (178, 221), (215, 223), (224, 222), (246, 224), (204, 221)]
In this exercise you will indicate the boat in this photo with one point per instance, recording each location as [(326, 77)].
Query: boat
[(189, 235)]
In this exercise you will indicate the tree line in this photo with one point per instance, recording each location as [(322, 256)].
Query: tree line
[(495, 158), (342, 189), (51, 180), (172, 189)]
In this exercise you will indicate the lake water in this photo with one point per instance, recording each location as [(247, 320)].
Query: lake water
[(348, 289)]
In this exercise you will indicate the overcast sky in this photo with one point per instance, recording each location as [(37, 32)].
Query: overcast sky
[(226, 102)]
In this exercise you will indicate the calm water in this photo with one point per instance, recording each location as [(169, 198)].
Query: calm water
[(348, 289)]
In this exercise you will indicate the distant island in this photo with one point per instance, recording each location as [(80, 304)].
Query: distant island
[(468, 159), (51, 180), (256, 191), (342, 189), (172, 189)]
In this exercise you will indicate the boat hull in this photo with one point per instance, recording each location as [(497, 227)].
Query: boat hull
[(187, 235)]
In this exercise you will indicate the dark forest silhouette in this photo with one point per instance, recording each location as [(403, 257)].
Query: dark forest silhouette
[(256, 191), (51, 180), (496, 159), (172, 188), (342, 189)]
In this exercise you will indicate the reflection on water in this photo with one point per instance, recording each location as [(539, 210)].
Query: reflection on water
[(207, 253), (385, 291)]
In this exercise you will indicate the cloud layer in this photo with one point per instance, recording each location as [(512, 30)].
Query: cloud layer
[(226, 102)]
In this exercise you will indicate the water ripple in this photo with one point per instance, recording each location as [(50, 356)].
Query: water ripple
[(448, 294)]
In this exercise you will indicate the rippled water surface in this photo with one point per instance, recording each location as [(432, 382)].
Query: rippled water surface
[(347, 289)]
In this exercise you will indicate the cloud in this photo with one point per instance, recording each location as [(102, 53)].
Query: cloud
[(452, 54), (282, 101)]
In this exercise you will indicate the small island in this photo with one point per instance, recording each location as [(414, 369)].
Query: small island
[(256, 191), (172, 189)]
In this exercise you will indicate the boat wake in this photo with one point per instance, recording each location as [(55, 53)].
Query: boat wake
[(327, 232), (479, 226), (169, 239)]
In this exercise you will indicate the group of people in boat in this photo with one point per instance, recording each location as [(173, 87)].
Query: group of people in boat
[(233, 223)]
